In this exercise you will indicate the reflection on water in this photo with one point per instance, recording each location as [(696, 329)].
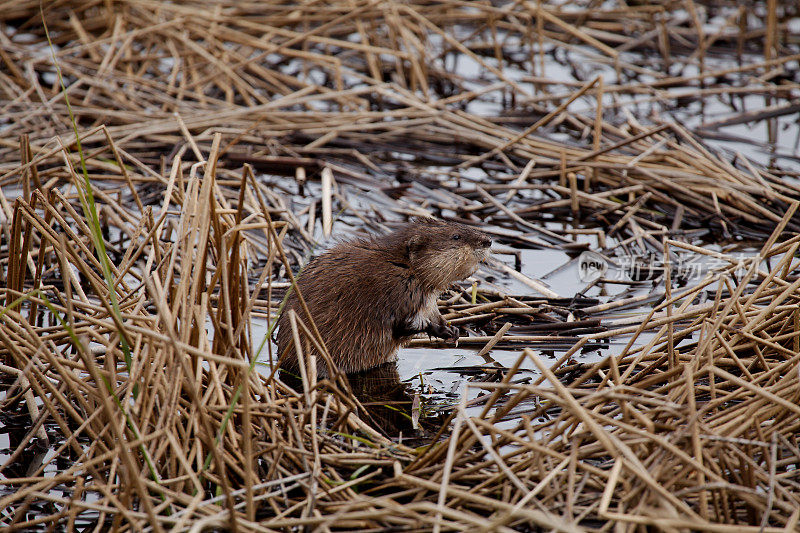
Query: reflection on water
[(388, 404), (385, 399)]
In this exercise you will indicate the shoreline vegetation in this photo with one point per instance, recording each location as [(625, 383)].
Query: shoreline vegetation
[(225, 142)]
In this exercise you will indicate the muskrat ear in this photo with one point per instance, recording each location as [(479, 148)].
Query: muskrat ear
[(413, 245)]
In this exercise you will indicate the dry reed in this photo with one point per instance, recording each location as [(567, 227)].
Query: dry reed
[(222, 138)]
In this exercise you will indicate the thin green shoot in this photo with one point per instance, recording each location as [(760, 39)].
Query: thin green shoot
[(90, 209)]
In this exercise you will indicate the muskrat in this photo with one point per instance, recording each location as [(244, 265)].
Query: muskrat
[(369, 296)]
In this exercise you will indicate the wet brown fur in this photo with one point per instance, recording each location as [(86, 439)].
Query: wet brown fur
[(369, 296)]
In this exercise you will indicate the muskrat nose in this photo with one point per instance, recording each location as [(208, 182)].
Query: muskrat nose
[(486, 242)]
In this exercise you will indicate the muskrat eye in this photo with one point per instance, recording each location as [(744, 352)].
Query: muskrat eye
[(456, 237)]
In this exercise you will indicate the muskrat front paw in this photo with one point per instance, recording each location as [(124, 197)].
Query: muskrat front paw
[(450, 333), (442, 331)]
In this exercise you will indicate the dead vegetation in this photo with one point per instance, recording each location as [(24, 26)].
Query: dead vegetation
[(224, 140)]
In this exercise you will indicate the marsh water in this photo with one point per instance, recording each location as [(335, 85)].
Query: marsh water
[(439, 376)]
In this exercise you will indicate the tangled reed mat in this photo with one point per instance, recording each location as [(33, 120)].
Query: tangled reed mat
[(221, 140)]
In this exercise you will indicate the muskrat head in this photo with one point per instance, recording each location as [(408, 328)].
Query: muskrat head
[(443, 252)]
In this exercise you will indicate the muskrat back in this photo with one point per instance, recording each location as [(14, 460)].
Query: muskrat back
[(369, 296)]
